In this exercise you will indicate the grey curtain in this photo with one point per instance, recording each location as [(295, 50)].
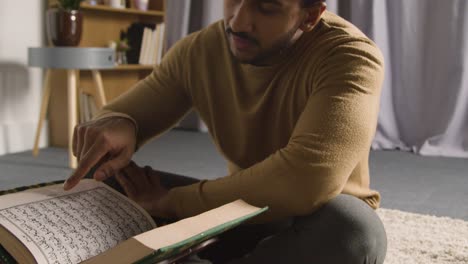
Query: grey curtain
[(424, 106), (177, 20)]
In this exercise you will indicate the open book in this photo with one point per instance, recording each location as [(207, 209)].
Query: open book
[(95, 224)]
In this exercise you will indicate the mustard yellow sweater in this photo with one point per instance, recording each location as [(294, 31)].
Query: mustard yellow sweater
[(295, 134)]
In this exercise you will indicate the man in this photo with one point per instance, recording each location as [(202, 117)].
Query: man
[(290, 95)]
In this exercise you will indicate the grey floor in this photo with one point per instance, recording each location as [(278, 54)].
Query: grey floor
[(428, 185)]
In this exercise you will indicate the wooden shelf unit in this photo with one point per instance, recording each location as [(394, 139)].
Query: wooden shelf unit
[(154, 13), (131, 67), (101, 24)]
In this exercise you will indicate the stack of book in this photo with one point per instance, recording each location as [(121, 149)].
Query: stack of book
[(146, 41), (152, 43)]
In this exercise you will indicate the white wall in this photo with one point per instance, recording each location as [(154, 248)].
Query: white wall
[(21, 26)]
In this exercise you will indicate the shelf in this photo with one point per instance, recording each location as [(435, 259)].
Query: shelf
[(130, 67), (104, 8)]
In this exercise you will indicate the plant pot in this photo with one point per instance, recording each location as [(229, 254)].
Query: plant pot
[(121, 57), (64, 27)]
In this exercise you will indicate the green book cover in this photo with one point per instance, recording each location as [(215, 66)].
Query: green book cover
[(175, 249)]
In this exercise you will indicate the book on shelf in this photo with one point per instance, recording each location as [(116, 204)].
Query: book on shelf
[(135, 39), (94, 223), (145, 44), (152, 45), (160, 44), (88, 107)]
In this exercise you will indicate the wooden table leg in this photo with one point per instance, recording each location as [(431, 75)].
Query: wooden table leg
[(99, 89), (42, 115), (72, 80)]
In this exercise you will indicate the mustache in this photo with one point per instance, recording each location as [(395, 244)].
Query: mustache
[(241, 35)]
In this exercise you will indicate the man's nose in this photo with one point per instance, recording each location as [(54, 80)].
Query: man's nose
[(242, 21)]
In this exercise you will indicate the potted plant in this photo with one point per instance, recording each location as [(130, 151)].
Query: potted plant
[(121, 49), (65, 23)]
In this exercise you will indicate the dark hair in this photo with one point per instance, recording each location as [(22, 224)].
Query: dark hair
[(307, 3)]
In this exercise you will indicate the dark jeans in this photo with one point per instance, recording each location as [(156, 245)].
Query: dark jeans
[(345, 230)]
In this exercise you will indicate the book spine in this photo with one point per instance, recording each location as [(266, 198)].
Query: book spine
[(92, 108), (81, 106), (144, 46), (148, 46), (86, 110), (154, 56), (162, 30), (149, 58)]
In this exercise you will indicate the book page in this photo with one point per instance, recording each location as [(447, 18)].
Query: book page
[(70, 227)]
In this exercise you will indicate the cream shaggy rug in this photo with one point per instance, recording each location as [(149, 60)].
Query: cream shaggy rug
[(423, 239)]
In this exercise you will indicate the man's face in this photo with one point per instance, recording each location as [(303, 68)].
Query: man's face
[(258, 30)]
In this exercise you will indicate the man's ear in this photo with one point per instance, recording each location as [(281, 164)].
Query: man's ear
[(312, 16)]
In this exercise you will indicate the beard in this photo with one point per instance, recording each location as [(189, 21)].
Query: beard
[(265, 54)]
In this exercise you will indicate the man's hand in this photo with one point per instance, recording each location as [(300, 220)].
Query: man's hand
[(143, 186), (109, 142)]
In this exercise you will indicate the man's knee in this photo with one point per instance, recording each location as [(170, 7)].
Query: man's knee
[(362, 246), (343, 231), (349, 230)]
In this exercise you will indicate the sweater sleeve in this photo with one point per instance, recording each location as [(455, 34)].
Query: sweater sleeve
[(332, 134), (159, 101)]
